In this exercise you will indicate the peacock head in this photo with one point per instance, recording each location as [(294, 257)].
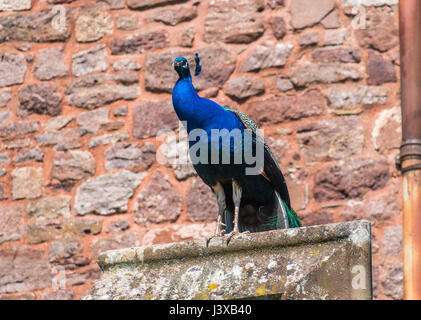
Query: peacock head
[(181, 65)]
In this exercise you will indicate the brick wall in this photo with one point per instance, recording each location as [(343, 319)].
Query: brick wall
[(85, 89)]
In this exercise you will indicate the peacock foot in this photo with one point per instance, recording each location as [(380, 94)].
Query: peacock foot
[(235, 234), (218, 234)]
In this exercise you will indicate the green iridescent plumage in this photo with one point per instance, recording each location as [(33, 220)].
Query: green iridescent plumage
[(273, 223), (293, 219)]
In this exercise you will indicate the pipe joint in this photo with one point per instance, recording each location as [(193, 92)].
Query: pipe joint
[(410, 149)]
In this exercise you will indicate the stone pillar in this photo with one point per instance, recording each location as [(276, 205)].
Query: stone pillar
[(319, 262)]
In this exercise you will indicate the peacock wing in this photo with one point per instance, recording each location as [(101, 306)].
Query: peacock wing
[(271, 170)]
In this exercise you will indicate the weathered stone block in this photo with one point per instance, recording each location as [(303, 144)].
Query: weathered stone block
[(108, 138), (335, 37), (116, 241), (117, 226), (5, 97), (379, 70), (347, 96), (331, 139), (92, 120), (201, 204), (120, 111), (72, 166), (381, 31), (186, 36), (58, 123), (323, 73), (319, 262), (15, 5), (129, 155), (279, 27), (13, 129), (159, 201), (40, 26), (91, 60), (245, 87), (377, 211), (151, 117), (276, 109), (337, 54), (127, 22), (62, 140), (68, 253), (392, 283), (79, 278), (93, 91), (43, 230), (139, 43), (174, 16), (309, 39), (51, 207), (351, 178), (268, 55), (392, 241), (234, 21), (12, 219), (26, 183), (387, 131), (23, 269), (93, 23), (40, 98), (4, 158), (107, 194), (50, 64), (29, 155), (126, 65), (12, 71), (306, 13), (332, 20)]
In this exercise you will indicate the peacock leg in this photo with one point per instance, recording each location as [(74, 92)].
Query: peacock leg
[(236, 197), (220, 199)]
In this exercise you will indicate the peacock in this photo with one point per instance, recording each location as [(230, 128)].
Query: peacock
[(247, 202)]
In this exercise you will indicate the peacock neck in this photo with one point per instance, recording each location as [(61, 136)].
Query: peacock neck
[(197, 112), (186, 103)]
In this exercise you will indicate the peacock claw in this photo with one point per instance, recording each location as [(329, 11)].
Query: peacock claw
[(216, 235), (235, 234)]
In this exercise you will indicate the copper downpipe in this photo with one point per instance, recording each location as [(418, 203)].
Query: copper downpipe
[(409, 160)]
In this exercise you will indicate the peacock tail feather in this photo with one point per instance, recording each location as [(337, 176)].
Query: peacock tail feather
[(293, 219), (272, 223)]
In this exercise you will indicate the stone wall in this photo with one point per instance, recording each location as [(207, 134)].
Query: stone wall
[(85, 89)]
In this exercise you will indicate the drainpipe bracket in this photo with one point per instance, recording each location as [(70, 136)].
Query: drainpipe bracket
[(410, 149)]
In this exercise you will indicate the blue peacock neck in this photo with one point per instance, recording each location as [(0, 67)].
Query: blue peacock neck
[(189, 107), (200, 113)]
